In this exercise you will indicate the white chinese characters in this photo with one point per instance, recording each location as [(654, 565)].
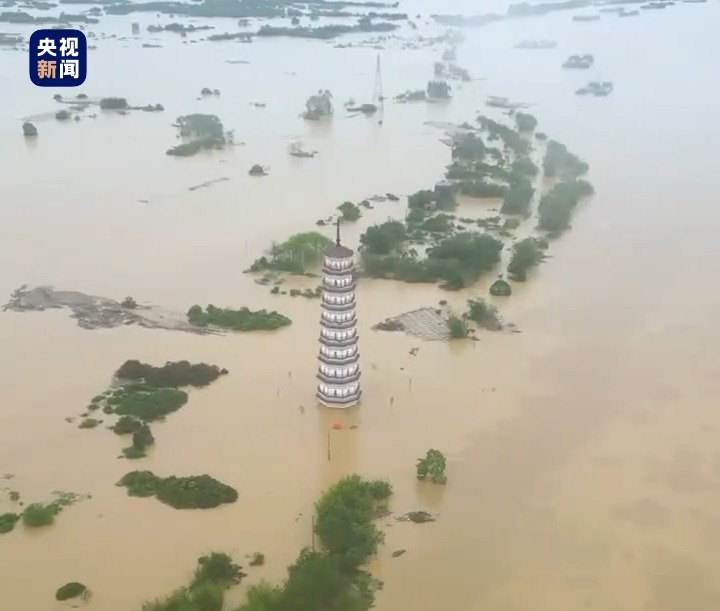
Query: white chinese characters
[(70, 67), (46, 46), (69, 47)]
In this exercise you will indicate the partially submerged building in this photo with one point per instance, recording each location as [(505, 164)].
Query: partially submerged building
[(339, 367), (319, 106), (438, 89)]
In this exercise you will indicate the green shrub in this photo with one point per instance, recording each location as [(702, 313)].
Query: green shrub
[(297, 254), (7, 522), (380, 489), (194, 492), (484, 314), (527, 254), (171, 374), (556, 207), (39, 514), (457, 327), (72, 589), (243, 319), (350, 211), (558, 161), (432, 465), (525, 122)]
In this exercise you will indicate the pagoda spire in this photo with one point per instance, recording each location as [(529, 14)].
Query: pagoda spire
[(338, 367)]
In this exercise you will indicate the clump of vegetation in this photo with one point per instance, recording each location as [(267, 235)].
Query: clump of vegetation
[(384, 239), (380, 489), (127, 425), (43, 514), (194, 492), (129, 303), (439, 223), (8, 521), (484, 315), (518, 197), (63, 115), (258, 559), (214, 574), (172, 374), (331, 579), (500, 288), (511, 140), (524, 167), (40, 514), (426, 199), (29, 130), (344, 522), (243, 319), (457, 261), (556, 207), (457, 327), (482, 188), (72, 589), (559, 162), (297, 254), (468, 147), (527, 254), (525, 122), (114, 104), (432, 466), (89, 423), (217, 567), (203, 132), (145, 402), (142, 439), (349, 211)]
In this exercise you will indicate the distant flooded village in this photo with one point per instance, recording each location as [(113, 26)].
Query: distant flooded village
[(352, 305)]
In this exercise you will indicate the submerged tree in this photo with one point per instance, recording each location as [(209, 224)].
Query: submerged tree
[(432, 466)]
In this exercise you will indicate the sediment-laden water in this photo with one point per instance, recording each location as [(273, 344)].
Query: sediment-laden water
[(583, 462)]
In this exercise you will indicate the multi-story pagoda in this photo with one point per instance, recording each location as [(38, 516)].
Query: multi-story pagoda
[(339, 369)]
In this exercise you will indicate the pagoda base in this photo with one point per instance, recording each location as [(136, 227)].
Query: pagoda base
[(338, 402)]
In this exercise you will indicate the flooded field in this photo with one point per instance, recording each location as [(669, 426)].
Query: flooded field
[(584, 470)]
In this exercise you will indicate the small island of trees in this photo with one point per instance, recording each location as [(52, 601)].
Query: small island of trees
[(72, 589), (432, 466), (194, 492), (243, 319), (202, 131), (147, 394), (527, 253), (214, 574), (349, 211), (332, 578), (297, 254), (39, 514)]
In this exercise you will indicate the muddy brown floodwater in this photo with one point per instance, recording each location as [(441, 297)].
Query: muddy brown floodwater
[(584, 466)]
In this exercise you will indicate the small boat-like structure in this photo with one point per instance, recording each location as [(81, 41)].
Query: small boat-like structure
[(536, 44), (596, 88), (296, 150), (579, 61)]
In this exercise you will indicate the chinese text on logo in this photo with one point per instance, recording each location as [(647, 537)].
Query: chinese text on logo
[(58, 58)]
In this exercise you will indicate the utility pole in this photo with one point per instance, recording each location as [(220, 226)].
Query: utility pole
[(312, 522), (378, 97)]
